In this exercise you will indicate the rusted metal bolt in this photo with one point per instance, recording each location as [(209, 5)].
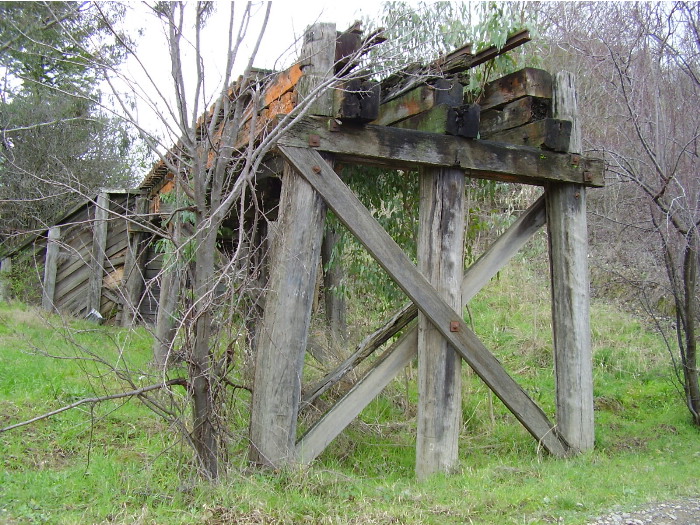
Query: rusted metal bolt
[(575, 159), (317, 169), (314, 141), (454, 326), (587, 176)]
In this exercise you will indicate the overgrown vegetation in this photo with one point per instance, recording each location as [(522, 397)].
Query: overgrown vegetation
[(117, 463)]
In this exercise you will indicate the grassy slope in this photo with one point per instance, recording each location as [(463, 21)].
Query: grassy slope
[(124, 467)]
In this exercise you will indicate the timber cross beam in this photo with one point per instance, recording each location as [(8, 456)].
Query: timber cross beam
[(388, 146)]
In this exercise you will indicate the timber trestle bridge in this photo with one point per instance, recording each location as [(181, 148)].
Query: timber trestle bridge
[(523, 130)]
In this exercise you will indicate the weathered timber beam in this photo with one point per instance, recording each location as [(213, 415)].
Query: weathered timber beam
[(280, 85), (513, 41), (551, 134), (512, 115), (523, 83), (333, 422), (356, 100), (460, 121), (440, 254), (387, 146), (384, 249), (419, 99), (458, 61), (568, 252), (5, 269), (50, 267), (99, 243)]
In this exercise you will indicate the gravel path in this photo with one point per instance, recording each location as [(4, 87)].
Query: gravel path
[(681, 512)]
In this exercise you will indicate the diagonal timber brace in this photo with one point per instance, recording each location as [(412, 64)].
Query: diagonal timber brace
[(394, 359), (382, 247), (478, 274)]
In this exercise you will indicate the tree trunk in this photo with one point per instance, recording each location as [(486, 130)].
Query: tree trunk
[(690, 360), (201, 370)]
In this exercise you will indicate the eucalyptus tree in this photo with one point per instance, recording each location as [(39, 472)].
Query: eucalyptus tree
[(57, 145)]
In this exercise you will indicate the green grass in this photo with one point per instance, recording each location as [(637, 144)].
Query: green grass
[(119, 463)]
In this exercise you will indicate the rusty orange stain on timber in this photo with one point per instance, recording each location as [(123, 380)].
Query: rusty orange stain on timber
[(284, 83), (167, 187)]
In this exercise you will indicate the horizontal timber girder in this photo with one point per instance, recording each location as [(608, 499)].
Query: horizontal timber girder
[(387, 146), (396, 263), (396, 357)]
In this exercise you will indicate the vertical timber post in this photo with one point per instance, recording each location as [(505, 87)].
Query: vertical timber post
[(283, 335), (568, 246), (50, 267), (282, 338), (134, 279), (166, 320), (99, 243), (441, 260), (332, 280), (5, 268)]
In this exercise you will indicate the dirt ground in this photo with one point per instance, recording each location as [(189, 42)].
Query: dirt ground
[(681, 512)]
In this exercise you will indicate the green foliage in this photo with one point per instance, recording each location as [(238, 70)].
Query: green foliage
[(424, 31), (57, 151), (56, 145), (23, 281), (392, 197), (57, 44)]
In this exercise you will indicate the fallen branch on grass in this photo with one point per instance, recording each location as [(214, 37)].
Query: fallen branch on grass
[(94, 400)]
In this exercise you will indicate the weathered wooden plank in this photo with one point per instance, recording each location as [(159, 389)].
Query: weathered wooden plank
[(134, 279), (282, 335), (398, 148), (568, 245), (419, 99), (5, 268), (390, 256), (550, 134), (317, 59), (117, 245), (356, 100), (99, 242), (50, 265), (280, 85), (333, 422), (441, 260), (515, 40), (517, 113), (77, 281), (523, 83), (461, 121), (565, 107)]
